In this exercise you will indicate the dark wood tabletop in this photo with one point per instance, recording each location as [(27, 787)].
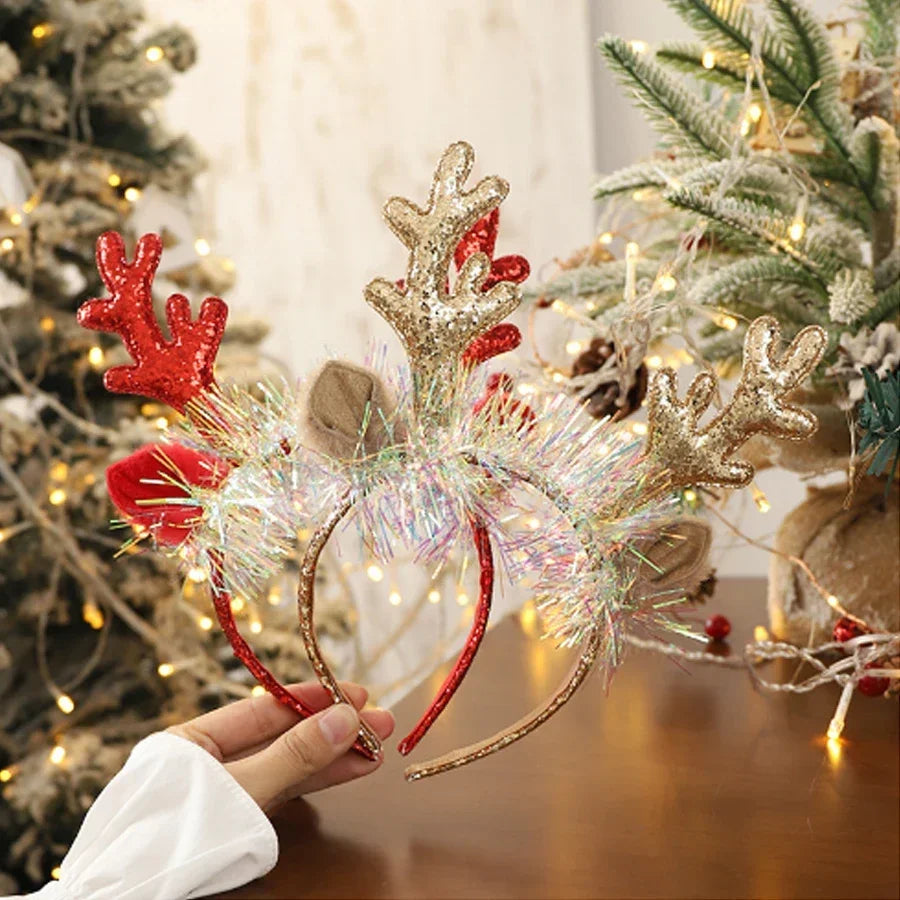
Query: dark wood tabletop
[(681, 782)]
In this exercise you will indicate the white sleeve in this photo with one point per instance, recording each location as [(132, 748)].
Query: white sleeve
[(172, 824)]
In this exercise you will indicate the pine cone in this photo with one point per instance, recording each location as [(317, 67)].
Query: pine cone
[(606, 400)]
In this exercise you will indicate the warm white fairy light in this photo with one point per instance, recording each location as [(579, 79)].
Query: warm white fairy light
[(55, 873), (726, 321), (708, 60), (7, 244), (205, 623), (201, 247), (798, 225), (606, 237), (57, 497), (690, 496), (57, 754), (532, 523), (59, 471), (41, 30), (639, 46), (395, 598), (274, 595), (754, 112), (197, 574), (654, 362), (760, 633), (833, 601), (96, 357), (92, 614), (639, 428), (434, 596), (631, 255), (132, 194), (761, 500), (154, 54), (256, 626), (165, 670), (16, 218), (374, 572), (257, 690), (161, 422), (237, 604), (65, 703), (462, 598), (7, 774), (114, 179), (667, 282), (573, 348), (526, 389), (836, 725)]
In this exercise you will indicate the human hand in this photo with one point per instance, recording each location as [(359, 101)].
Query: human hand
[(275, 758)]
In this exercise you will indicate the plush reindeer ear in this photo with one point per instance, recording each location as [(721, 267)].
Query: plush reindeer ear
[(676, 558), (350, 411)]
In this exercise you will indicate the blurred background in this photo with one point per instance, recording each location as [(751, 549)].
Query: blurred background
[(312, 114)]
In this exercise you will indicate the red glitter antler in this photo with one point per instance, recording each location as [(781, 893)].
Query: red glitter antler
[(175, 370)]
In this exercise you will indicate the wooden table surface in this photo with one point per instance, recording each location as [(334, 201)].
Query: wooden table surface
[(679, 783)]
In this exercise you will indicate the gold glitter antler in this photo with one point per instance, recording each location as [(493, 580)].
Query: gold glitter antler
[(435, 323), (703, 455)]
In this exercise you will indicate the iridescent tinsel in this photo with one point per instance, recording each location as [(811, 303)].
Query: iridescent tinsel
[(422, 493)]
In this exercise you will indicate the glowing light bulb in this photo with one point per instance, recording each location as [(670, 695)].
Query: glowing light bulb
[(274, 596), (65, 703), (573, 348), (606, 237), (154, 53), (708, 60), (165, 670), (654, 362), (835, 728), (533, 523), (526, 389), (832, 601), (197, 574), (161, 422), (797, 230), (760, 633), (201, 246), (667, 282), (639, 46), (690, 496), (761, 500), (434, 596), (114, 179), (96, 357), (754, 112), (205, 622), (724, 320), (55, 872), (7, 244), (57, 754), (92, 614), (395, 598), (462, 598), (39, 32), (132, 194), (6, 775), (57, 497), (256, 626), (59, 471), (238, 604), (374, 572), (639, 428), (16, 218), (257, 690)]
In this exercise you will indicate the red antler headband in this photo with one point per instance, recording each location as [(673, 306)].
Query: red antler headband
[(447, 456)]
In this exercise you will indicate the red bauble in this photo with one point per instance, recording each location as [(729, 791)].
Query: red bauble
[(717, 627), (872, 685), (845, 629)]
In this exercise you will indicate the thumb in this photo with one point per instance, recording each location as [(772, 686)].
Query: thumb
[(277, 773)]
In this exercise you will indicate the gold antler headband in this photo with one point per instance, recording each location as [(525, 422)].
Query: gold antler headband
[(445, 456)]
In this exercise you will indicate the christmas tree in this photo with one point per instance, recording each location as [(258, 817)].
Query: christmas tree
[(774, 190), (97, 647)]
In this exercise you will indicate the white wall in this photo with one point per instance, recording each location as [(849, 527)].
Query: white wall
[(313, 112)]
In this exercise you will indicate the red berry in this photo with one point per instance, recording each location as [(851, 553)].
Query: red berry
[(872, 685), (845, 629), (717, 627)]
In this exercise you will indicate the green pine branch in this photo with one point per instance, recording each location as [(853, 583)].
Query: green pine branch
[(673, 110)]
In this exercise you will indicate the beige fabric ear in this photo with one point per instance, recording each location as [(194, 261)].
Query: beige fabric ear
[(678, 557), (346, 410)]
